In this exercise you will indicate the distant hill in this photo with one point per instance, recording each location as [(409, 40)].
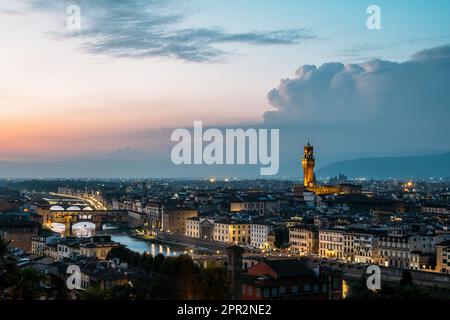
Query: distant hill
[(426, 166)]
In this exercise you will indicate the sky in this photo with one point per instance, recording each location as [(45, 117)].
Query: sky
[(137, 69)]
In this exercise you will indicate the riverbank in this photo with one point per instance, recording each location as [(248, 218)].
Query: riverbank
[(140, 242), (205, 246)]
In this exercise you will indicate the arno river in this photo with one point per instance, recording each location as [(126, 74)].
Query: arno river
[(142, 246)]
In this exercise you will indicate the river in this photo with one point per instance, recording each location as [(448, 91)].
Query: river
[(142, 246)]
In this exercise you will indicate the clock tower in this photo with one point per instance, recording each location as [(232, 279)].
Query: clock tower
[(308, 162)]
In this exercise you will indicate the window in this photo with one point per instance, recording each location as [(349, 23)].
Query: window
[(250, 291), (282, 290), (258, 292), (306, 288), (274, 291), (266, 292)]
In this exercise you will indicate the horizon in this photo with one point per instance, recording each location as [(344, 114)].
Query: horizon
[(114, 89)]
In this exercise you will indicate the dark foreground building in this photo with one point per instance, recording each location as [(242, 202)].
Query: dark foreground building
[(290, 279)]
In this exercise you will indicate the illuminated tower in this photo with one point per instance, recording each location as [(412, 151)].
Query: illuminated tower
[(309, 179)]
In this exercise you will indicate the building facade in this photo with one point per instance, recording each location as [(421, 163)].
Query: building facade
[(290, 279), (174, 219), (331, 243), (231, 231), (304, 239), (259, 235), (443, 257)]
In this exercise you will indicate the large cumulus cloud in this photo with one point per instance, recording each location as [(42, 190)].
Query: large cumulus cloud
[(377, 107), (417, 89)]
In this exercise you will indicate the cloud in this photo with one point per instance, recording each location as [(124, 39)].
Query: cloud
[(151, 28), (416, 89), (9, 12), (378, 107), (371, 50)]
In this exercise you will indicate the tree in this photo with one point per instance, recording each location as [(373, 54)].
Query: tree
[(26, 284), (133, 259), (57, 288), (406, 279), (158, 262), (93, 293), (3, 250), (408, 290), (116, 253), (212, 283), (148, 264), (124, 292)]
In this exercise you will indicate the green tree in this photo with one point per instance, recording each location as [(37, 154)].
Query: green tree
[(148, 264), (94, 293), (124, 292), (57, 288), (212, 283), (407, 279), (26, 286), (158, 263)]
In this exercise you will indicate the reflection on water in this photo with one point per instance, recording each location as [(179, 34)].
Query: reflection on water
[(143, 246), (345, 289)]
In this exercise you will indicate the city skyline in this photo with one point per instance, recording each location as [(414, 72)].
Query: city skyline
[(224, 158)]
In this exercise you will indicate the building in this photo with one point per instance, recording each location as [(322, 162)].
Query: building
[(394, 251), (365, 247), (154, 211), (349, 250), (331, 243), (200, 228), (234, 269), (68, 248), (97, 247), (362, 203), (304, 239), (207, 229), (261, 204), (174, 218), (309, 178), (137, 219), (18, 232), (422, 261), (259, 235), (232, 231), (193, 227), (104, 275), (443, 257), (51, 250), (290, 279), (71, 248), (39, 242), (435, 209), (308, 163)]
